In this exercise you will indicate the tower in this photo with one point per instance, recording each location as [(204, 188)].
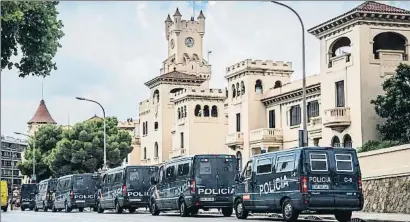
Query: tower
[(359, 51), (40, 118)]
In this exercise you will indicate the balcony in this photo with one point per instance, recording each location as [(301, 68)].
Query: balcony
[(337, 119), (234, 139), (315, 127), (266, 137), (177, 153)]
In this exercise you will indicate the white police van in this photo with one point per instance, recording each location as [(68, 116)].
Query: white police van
[(320, 180)]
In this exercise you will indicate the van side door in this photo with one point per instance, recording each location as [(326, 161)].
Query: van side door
[(172, 190), (265, 197), (286, 177), (158, 192), (249, 185), (118, 182)]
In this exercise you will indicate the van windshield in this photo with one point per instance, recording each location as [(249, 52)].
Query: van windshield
[(52, 184), (28, 188), (83, 182)]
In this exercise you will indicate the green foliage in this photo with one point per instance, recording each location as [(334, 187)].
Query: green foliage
[(376, 145), (33, 27), (45, 140), (79, 149), (394, 106)]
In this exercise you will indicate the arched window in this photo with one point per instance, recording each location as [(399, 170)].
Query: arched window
[(340, 47), (242, 87), (206, 111), (389, 41), (258, 87), (156, 149), (179, 113), (143, 128), (278, 84), (145, 153), (184, 111), (214, 111), (233, 91), (226, 92), (335, 141), (347, 141), (156, 125), (238, 90), (239, 160), (198, 110), (155, 97)]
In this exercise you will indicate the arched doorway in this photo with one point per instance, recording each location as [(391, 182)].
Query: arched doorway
[(335, 141), (347, 141), (239, 159)]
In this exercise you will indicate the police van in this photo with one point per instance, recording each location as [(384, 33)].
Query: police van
[(28, 196), (44, 194), (320, 180), (75, 191), (197, 182), (125, 187)]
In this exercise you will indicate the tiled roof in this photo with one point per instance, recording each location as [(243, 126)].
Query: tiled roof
[(94, 117), (42, 115), (176, 76), (367, 7)]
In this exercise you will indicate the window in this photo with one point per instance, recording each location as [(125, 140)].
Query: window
[(179, 113), (238, 90), (340, 94), (182, 140), (285, 164), (156, 125), (206, 111), (344, 162), (264, 166), (272, 119), (318, 162), (335, 141), (118, 177), (278, 84), (248, 170), (145, 153), (184, 111), (258, 87), (347, 141), (156, 149), (198, 110), (183, 169), (242, 87), (214, 111), (313, 109), (295, 115), (205, 167), (238, 122), (143, 128), (161, 174), (155, 96), (170, 172), (134, 176), (233, 91), (146, 127)]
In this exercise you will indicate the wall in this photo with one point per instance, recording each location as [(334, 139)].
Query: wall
[(386, 179)]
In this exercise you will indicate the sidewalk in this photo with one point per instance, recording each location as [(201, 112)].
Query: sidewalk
[(367, 217)]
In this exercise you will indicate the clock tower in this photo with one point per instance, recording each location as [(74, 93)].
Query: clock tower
[(185, 45)]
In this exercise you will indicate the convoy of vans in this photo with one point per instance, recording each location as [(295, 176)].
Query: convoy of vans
[(319, 180)]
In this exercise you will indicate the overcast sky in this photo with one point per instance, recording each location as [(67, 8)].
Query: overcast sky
[(111, 48)]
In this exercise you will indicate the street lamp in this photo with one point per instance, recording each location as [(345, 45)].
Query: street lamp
[(33, 177), (105, 135), (304, 109)]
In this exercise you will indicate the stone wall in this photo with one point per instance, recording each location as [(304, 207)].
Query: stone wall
[(387, 195)]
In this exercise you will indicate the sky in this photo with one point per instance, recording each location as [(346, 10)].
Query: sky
[(111, 48)]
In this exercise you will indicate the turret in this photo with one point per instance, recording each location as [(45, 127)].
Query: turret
[(178, 22), (168, 23), (201, 20)]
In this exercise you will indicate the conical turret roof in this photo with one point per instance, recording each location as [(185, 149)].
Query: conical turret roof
[(42, 115), (177, 13)]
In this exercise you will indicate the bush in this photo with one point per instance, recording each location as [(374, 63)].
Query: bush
[(376, 145)]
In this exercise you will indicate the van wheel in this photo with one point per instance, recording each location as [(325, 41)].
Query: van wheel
[(154, 209), (23, 209), (100, 210), (344, 216), (289, 213), (132, 210), (95, 209), (5, 208), (118, 209), (35, 209), (183, 212), (194, 211), (81, 209), (30, 208), (227, 212), (240, 211)]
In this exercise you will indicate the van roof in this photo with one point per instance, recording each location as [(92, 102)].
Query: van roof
[(300, 149), (124, 167), (192, 157)]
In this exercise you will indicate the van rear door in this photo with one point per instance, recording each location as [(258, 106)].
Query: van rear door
[(319, 177), (138, 182), (347, 178), (83, 187)]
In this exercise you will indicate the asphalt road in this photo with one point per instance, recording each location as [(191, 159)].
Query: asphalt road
[(75, 216)]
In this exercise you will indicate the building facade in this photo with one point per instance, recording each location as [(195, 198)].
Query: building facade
[(182, 115), (11, 153), (132, 126), (359, 50)]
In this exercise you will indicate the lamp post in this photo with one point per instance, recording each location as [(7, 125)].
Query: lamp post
[(33, 177), (105, 134), (304, 105)]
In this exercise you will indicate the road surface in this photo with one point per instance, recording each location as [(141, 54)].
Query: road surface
[(75, 216)]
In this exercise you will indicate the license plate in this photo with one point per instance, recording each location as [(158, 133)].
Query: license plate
[(320, 186), (26, 202), (207, 199), (80, 201), (136, 200)]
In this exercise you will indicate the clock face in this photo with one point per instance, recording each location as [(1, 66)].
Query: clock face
[(189, 42), (172, 44)]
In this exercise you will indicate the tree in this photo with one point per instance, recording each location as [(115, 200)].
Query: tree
[(45, 140), (81, 149), (32, 27), (394, 106)]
